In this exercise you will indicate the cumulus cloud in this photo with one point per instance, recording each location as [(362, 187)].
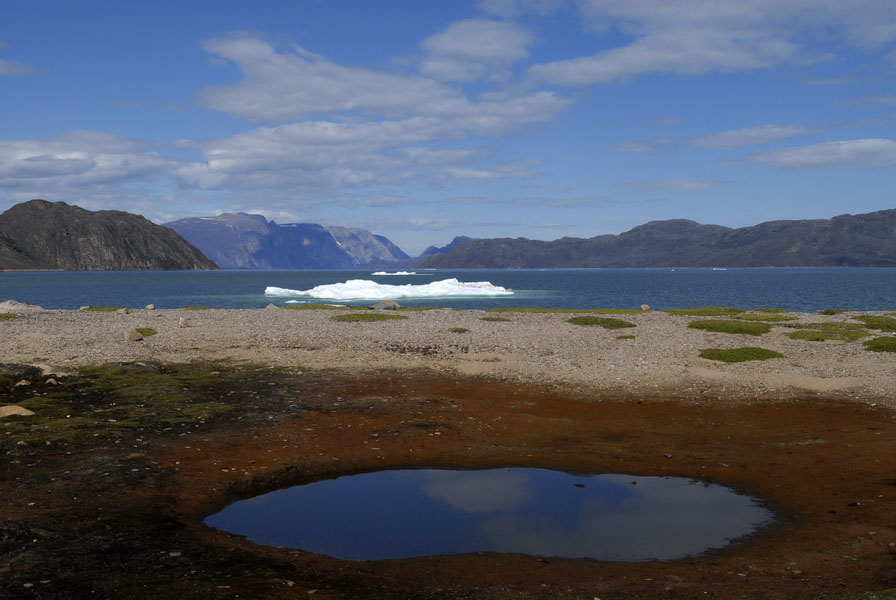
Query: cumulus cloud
[(847, 154), (751, 136), (80, 158), (475, 48), (703, 36), (292, 84)]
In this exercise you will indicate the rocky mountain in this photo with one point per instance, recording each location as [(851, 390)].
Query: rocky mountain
[(244, 241), (843, 241), (457, 241), (54, 235)]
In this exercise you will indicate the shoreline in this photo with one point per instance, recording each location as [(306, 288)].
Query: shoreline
[(533, 347)]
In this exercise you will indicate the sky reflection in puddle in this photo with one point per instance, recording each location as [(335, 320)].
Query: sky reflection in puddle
[(422, 512)]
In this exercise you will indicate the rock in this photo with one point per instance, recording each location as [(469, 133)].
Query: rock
[(123, 311), (645, 307), (13, 306), (52, 381), (386, 305), (84, 308), (14, 411), (182, 322), (271, 306), (132, 335), (150, 307), (22, 383)]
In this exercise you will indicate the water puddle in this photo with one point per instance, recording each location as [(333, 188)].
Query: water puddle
[(423, 512)]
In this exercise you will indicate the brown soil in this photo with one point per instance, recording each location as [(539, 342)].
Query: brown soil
[(122, 518)]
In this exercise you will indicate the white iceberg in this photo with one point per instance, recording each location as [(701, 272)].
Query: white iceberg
[(395, 273), (363, 289)]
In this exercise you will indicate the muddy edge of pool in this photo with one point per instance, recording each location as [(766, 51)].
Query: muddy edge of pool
[(121, 517)]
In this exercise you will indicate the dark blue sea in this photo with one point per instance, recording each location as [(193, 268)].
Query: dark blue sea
[(805, 290)]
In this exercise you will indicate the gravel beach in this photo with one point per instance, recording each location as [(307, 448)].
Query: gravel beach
[(542, 347)]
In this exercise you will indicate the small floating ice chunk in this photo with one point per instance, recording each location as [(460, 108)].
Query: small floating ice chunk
[(363, 289), (395, 273)]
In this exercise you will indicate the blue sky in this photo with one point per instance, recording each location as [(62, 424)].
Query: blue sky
[(425, 120)]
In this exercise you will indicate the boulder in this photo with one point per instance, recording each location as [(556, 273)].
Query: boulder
[(132, 335), (14, 411)]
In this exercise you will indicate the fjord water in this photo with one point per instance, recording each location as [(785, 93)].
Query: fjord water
[(426, 512), (796, 289)]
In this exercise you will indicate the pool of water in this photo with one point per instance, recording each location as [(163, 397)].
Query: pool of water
[(424, 512)]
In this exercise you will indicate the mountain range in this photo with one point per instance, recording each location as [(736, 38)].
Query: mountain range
[(54, 235), (244, 241), (866, 240)]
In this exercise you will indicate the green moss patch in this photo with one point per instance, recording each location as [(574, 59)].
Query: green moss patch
[(195, 308), (459, 330), (881, 344), (109, 400), (495, 319), (146, 331), (706, 311), (734, 355), (605, 322), (768, 317), (771, 310), (8, 316), (876, 322), (820, 332), (368, 317), (731, 326), (625, 337), (101, 308), (831, 311)]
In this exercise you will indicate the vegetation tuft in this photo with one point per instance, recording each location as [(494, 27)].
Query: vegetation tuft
[(459, 330), (195, 308), (731, 326), (495, 319), (625, 337), (876, 322), (368, 317), (8, 316), (605, 322), (881, 344), (769, 317), (770, 310), (820, 332), (733, 355), (831, 311), (706, 311), (101, 308), (146, 331)]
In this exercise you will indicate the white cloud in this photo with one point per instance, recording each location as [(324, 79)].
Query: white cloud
[(751, 136), (293, 84), (475, 48), (702, 36), (847, 154), (80, 158), (884, 99), (12, 67)]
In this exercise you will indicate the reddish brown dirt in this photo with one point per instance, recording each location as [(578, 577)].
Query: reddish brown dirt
[(827, 467)]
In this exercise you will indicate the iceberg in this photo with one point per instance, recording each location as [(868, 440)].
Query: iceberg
[(395, 273), (363, 289)]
